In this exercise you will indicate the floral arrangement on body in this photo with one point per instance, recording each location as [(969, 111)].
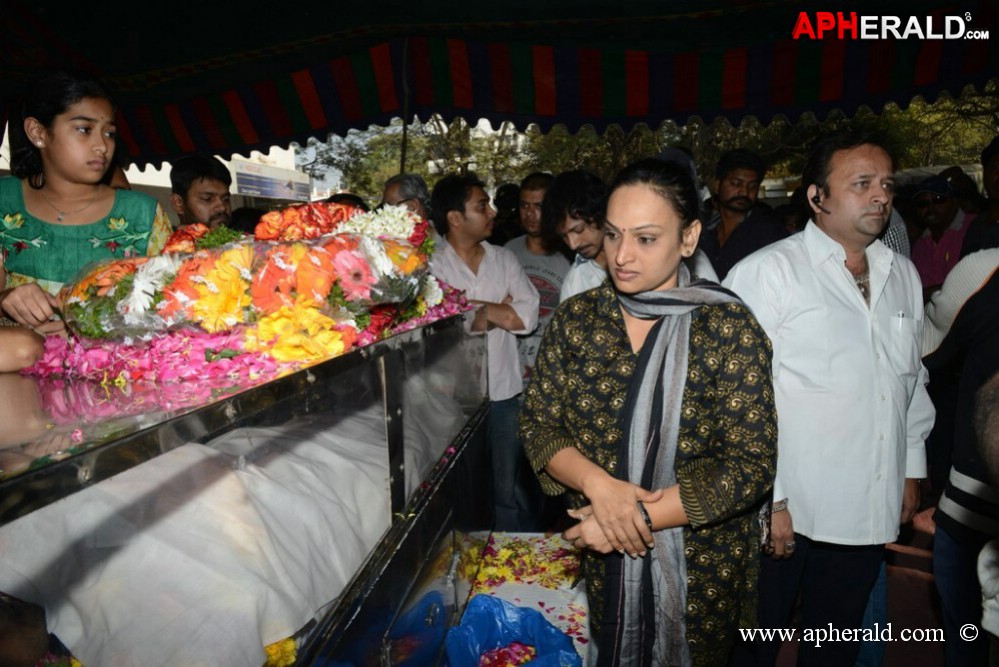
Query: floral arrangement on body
[(334, 278)]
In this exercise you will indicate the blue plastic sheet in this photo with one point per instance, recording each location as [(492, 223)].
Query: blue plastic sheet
[(490, 623)]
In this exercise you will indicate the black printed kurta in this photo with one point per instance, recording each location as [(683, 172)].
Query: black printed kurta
[(726, 454)]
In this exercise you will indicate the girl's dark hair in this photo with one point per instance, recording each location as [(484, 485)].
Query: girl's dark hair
[(47, 97), (669, 180)]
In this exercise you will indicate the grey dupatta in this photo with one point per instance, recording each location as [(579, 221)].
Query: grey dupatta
[(653, 429)]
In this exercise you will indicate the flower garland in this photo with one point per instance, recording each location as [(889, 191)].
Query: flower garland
[(302, 300), (275, 304), (277, 344)]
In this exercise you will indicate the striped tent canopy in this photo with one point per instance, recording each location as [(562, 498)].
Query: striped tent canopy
[(227, 77)]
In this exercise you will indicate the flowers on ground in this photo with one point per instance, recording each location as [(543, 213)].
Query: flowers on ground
[(545, 560)]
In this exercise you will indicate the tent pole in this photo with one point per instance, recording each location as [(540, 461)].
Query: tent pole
[(405, 106)]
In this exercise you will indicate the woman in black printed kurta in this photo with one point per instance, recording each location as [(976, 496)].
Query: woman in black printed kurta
[(720, 433)]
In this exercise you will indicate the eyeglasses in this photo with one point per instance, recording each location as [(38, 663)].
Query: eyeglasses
[(411, 203), (923, 203)]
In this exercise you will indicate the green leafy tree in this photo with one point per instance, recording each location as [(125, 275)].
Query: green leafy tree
[(945, 132)]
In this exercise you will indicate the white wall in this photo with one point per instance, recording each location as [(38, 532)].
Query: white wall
[(155, 181)]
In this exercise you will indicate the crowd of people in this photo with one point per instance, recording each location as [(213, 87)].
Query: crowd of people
[(797, 392), (730, 409)]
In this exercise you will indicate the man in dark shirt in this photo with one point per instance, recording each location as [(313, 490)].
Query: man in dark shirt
[(967, 515), (984, 230), (738, 227)]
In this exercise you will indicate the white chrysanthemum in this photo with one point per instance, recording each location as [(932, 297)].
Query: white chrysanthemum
[(431, 292), (150, 278), (393, 221), (375, 252)]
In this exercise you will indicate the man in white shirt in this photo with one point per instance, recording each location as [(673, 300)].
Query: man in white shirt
[(507, 304), (844, 314)]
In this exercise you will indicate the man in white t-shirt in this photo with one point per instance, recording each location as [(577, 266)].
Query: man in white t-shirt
[(507, 304)]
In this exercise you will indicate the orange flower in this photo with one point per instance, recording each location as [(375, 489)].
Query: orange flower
[(291, 223), (334, 244), (404, 256), (112, 273), (274, 284), (181, 293), (80, 288), (297, 270), (269, 226), (185, 239), (305, 221), (314, 274)]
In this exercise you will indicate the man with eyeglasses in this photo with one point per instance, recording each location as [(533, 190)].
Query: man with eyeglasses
[(939, 248), (409, 190)]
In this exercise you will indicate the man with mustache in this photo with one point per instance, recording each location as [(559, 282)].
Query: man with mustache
[(200, 190), (738, 227), (574, 209), (844, 314), (541, 257), (944, 225)]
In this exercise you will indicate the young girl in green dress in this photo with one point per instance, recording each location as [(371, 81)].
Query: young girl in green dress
[(56, 215)]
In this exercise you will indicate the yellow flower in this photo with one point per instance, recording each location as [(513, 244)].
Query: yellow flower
[(117, 224), (281, 654), (224, 296), (296, 334), (14, 221), (234, 265), (220, 304)]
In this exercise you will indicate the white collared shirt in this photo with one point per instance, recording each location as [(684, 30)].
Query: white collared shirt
[(852, 407), (500, 275), (584, 274)]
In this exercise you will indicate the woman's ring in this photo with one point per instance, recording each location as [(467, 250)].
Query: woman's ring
[(789, 546)]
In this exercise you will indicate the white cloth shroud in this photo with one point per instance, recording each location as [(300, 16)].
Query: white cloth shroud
[(189, 560)]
